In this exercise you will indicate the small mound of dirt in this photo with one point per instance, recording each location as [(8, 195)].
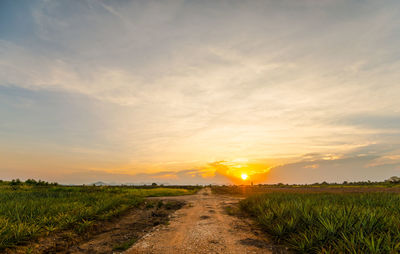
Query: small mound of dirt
[(214, 241), (254, 242)]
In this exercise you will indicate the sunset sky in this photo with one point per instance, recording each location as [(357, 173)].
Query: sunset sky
[(187, 92)]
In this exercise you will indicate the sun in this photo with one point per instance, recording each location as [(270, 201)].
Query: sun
[(244, 176)]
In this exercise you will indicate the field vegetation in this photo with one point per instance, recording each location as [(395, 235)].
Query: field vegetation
[(34, 208), (346, 187), (325, 219)]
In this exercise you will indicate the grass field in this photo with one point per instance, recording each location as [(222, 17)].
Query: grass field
[(28, 210), (327, 221), (246, 190)]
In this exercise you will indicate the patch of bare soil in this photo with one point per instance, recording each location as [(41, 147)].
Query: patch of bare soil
[(107, 237), (205, 225)]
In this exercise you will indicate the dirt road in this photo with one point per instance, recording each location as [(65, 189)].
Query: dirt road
[(203, 226)]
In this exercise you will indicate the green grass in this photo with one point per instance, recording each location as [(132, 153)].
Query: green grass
[(246, 190), (329, 222), (28, 211)]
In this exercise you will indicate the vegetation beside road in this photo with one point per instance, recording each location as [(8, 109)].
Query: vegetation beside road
[(351, 187), (35, 208), (329, 222), (325, 219)]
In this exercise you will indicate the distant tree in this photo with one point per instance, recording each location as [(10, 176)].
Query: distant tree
[(42, 183), (153, 184), (30, 182), (393, 179), (15, 182)]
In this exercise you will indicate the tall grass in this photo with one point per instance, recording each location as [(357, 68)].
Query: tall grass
[(29, 211), (329, 222)]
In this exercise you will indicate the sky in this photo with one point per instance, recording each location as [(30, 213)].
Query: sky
[(199, 92)]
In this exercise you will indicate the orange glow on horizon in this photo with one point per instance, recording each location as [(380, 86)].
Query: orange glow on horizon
[(240, 171)]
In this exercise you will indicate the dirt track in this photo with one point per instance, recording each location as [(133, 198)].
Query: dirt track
[(203, 226)]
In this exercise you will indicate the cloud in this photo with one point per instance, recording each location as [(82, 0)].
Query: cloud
[(375, 162), (375, 121), (312, 166), (182, 177), (161, 86), (346, 169)]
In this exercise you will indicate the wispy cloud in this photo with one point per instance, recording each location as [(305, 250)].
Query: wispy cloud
[(142, 84)]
